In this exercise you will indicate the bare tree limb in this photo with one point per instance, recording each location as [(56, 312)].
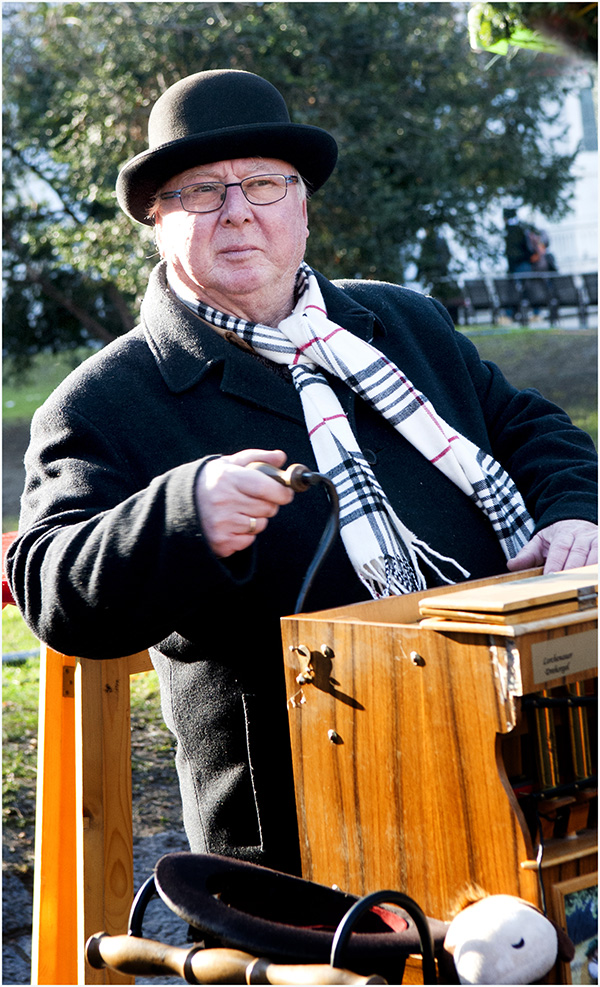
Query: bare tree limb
[(95, 328), (127, 319), (43, 177)]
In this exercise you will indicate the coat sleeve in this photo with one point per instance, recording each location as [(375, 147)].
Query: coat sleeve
[(89, 568)]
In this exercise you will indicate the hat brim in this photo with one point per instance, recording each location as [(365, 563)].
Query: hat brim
[(312, 151)]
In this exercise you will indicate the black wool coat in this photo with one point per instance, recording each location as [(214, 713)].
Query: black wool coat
[(111, 556)]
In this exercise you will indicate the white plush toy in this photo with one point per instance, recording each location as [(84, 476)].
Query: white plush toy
[(501, 939)]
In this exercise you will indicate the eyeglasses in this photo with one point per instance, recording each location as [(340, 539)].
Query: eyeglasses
[(260, 190)]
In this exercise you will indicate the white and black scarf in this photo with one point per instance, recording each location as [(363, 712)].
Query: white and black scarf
[(384, 553)]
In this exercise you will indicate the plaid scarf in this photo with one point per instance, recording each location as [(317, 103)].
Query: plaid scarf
[(383, 551)]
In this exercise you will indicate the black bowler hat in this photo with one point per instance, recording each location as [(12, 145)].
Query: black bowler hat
[(217, 116)]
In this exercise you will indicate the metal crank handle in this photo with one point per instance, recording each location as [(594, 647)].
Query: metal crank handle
[(296, 476), (136, 956)]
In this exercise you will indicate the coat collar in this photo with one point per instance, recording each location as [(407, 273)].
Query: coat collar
[(185, 347)]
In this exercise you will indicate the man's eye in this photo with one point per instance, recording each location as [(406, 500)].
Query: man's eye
[(253, 183), (208, 187)]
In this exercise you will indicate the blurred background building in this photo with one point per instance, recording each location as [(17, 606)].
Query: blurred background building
[(575, 239)]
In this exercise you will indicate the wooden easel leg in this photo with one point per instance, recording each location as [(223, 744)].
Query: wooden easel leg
[(103, 756), (55, 937), (83, 882)]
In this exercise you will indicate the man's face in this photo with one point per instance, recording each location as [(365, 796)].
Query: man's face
[(243, 254)]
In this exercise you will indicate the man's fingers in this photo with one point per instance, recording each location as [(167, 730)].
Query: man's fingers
[(275, 457), (235, 504), (580, 552), (560, 552), (562, 545), (255, 485), (531, 555)]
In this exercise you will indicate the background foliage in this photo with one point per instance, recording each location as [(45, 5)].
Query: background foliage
[(430, 133), (501, 27)]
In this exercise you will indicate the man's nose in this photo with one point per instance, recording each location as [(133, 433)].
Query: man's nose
[(236, 208)]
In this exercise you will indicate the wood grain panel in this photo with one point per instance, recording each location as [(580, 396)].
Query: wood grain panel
[(398, 755)]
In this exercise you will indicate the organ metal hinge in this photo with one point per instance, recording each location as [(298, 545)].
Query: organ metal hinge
[(587, 597)]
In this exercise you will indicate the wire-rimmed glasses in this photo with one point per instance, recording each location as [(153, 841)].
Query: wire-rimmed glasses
[(259, 190)]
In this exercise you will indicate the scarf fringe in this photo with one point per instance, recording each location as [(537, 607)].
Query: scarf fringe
[(386, 575), (427, 553)]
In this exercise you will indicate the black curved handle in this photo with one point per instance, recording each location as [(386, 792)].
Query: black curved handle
[(349, 920)]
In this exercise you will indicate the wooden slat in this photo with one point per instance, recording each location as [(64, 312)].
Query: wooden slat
[(140, 662), (505, 616), (519, 595), (516, 629), (104, 776), (83, 877)]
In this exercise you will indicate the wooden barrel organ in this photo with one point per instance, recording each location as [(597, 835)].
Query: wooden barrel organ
[(439, 743)]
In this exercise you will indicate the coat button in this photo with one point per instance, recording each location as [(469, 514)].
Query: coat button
[(370, 456)]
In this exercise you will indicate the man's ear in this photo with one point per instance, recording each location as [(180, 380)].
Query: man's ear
[(158, 237)]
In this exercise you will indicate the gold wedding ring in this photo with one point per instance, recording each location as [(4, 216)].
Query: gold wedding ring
[(252, 525)]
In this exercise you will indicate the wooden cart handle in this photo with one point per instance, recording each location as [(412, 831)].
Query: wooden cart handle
[(135, 956)]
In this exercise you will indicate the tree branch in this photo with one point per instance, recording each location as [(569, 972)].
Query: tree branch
[(127, 319), (95, 328), (40, 174)]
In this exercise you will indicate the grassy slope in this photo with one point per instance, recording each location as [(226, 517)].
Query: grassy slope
[(21, 398), (561, 364)]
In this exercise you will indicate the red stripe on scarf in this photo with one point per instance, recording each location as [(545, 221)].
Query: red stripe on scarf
[(444, 451), (316, 339), (324, 422)]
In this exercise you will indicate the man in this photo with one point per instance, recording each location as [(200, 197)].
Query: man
[(518, 252), (141, 525)]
